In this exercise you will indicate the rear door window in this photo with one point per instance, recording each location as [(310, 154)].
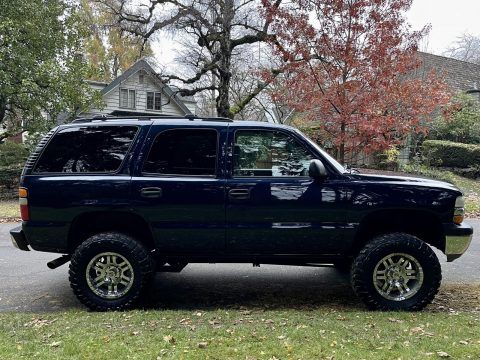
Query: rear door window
[(188, 152), (86, 149)]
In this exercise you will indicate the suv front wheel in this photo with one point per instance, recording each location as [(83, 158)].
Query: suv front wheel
[(109, 271), (396, 272)]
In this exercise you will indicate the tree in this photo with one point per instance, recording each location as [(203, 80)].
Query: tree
[(355, 83), (109, 50), (214, 34), (41, 72), (465, 48)]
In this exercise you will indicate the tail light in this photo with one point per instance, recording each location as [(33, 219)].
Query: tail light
[(23, 200)]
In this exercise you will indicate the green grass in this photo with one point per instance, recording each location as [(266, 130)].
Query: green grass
[(9, 209), (240, 334), (471, 189)]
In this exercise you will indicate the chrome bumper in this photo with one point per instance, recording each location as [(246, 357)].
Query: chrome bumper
[(455, 246)]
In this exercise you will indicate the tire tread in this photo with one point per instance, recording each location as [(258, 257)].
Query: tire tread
[(402, 240), (120, 242)]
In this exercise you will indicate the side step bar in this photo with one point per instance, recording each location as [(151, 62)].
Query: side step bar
[(59, 261)]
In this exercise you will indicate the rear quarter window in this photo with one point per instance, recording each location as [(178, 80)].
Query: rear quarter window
[(86, 149)]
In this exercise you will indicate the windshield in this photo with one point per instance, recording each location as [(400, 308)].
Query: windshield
[(329, 158)]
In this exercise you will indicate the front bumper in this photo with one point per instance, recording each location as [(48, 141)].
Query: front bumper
[(18, 239), (457, 240)]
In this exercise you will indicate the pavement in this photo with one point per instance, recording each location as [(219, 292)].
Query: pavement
[(27, 285)]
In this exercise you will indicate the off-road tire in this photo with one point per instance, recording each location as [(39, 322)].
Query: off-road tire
[(375, 250), (138, 256)]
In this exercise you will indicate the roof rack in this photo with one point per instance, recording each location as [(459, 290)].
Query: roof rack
[(104, 117), (191, 117)]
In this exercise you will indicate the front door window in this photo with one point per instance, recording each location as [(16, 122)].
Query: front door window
[(269, 153)]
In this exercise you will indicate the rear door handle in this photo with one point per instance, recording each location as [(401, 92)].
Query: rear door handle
[(239, 194), (151, 192)]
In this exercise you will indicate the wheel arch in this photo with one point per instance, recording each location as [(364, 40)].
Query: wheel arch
[(423, 224), (90, 223)]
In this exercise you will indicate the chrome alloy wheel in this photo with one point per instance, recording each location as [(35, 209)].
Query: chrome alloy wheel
[(398, 276), (109, 275)]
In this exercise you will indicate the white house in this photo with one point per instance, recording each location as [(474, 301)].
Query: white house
[(139, 91)]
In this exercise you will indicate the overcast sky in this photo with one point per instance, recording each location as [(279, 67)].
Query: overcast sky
[(449, 19)]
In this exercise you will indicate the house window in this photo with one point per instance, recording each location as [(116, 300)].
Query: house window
[(140, 78), (127, 98), (154, 100)]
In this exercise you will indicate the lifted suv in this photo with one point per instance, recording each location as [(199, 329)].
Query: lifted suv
[(123, 198)]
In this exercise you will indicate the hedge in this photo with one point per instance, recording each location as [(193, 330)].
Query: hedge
[(9, 178), (450, 154), (12, 158)]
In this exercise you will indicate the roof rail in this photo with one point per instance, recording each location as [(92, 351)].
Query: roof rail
[(106, 117), (192, 117)]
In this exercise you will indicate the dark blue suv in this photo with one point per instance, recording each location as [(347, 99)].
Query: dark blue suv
[(123, 198)]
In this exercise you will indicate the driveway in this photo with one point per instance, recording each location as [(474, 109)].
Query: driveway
[(28, 285)]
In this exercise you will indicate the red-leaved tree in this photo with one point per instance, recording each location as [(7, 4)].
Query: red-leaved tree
[(350, 71)]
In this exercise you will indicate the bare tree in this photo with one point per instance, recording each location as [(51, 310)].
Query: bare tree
[(215, 33), (466, 48)]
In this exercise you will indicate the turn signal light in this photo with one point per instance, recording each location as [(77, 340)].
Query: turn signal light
[(23, 200), (458, 219), (22, 192), (459, 212)]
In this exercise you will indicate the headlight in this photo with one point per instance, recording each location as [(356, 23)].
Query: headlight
[(459, 211)]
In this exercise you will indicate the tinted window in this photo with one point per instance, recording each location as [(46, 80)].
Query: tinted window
[(269, 153), (183, 152), (86, 149)]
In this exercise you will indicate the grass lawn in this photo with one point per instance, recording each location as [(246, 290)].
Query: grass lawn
[(471, 189), (240, 334), (9, 210)]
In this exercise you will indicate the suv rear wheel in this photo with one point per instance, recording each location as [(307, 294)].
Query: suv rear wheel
[(109, 271), (396, 272)]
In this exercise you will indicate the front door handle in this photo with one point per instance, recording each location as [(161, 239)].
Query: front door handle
[(151, 192), (239, 194)]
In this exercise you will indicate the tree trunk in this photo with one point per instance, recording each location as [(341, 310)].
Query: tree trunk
[(3, 109), (225, 48), (341, 153)]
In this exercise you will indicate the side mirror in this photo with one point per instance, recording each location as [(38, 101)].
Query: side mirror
[(316, 170)]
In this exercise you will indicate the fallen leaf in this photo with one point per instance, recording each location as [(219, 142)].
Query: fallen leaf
[(169, 338), (416, 330), (202, 345), (395, 320), (55, 344), (443, 354)]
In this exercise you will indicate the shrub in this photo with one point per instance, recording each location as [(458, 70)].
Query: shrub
[(472, 172), (386, 160), (12, 154), (12, 159), (459, 121), (450, 154)]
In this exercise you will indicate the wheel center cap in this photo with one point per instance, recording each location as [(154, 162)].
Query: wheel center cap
[(394, 273), (113, 273)]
